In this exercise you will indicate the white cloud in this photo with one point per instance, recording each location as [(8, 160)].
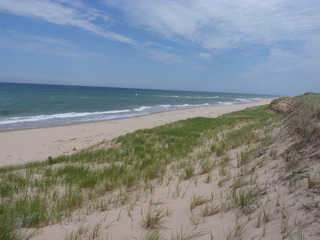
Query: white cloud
[(163, 56), (204, 55), (41, 44), (49, 40), (72, 13), (216, 24), (286, 71), (276, 39), (288, 31)]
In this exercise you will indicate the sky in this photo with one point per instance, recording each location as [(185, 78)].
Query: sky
[(243, 46)]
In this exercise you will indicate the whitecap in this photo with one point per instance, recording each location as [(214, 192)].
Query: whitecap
[(140, 109)]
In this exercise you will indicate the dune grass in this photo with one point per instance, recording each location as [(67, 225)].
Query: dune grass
[(42, 193), (304, 118)]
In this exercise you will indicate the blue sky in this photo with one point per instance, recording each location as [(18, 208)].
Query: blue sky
[(245, 46)]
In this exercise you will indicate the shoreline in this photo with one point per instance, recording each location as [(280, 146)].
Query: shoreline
[(19, 146), (250, 100)]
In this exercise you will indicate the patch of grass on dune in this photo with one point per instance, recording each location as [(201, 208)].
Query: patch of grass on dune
[(41, 193), (304, 117)]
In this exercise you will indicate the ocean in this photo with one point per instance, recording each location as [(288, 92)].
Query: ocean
[(36, 105)]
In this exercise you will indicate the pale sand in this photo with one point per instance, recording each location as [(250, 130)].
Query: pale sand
[(22, 146), (279, 209)]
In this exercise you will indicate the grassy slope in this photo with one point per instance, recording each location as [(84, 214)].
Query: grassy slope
[(41, 193), (44, 193)]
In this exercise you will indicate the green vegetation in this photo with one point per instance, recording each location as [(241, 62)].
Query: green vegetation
[(154, 216), (304, 118), (198, 200), (42, 193)]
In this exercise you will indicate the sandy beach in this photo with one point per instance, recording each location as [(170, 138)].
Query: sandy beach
[(22, 146), (236, 182)]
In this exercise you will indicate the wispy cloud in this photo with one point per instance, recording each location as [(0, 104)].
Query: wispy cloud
[(277, 39), (75, 13), (288, 31), (216, 24), (164, 56), (40, 44), (69, 13), (205, 55)]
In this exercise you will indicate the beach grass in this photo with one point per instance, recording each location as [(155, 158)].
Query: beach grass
[(43, 193)]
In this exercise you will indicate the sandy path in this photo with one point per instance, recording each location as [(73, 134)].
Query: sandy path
[(22, 146)]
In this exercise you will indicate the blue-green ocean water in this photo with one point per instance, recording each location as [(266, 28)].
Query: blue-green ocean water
[(35, 105)]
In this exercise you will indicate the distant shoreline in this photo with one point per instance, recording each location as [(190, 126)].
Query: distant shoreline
[(253, 100), (28, 106), (26, 145)]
